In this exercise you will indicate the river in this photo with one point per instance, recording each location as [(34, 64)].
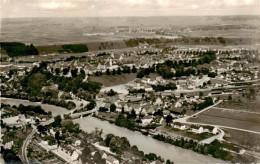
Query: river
[(56, 110), (146, 143)]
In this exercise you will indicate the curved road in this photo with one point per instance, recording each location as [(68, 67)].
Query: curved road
[(27, 140)]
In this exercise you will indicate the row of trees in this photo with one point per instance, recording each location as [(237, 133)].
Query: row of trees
[(14, 49), (111, 109), (165, 69), (136, 41), (169, 86), (121, 144), (214, 149), (73, 48), (119, 71), (31, 109), (74, 72)]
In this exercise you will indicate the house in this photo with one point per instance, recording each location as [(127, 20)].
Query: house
[(200, 130), (149, 108), (112, 160), (148, 89), (9, 145), (135, 99), (46, 146), (158, 101), (74, 156), (177, 111), (215, 130), (104, 155), (137, 108), (52, 132), (183, 127), (177, 105), (147, 120), (77, 143)]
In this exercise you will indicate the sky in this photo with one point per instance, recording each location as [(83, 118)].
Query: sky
[(112, 8)]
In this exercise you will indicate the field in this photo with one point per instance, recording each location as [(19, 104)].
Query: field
[(229, 118), (227, 33), (245, 104), (249, 140), (111, 80)]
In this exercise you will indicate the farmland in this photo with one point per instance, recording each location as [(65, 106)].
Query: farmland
[(230, 118)]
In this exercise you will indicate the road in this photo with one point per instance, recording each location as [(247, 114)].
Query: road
[(184, 119), (75, 115), (215, 137), (27, 140), (220, 127)]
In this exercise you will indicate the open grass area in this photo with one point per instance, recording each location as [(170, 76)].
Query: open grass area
[(198, 137), (245, 104), (111, 80), (187, 134), (245, 139), (230, 118)]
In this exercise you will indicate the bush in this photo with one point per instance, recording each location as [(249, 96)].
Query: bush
[(103, 109)]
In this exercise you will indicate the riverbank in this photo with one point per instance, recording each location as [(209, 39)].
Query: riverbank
[(146, 143), (56, 110)]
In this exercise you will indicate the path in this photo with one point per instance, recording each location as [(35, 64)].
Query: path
[(215, 137), (184, 119)]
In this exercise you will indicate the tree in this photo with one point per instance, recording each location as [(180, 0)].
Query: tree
[(111, 93), (103, 109), (229, 97), (159, 112), (126, 69), (201, 94), (57, 121), (57, 137), (10, 74), (41, 129), (74, 72), (108, 72), (168, 119), (91, 105), (140, 74), (37, 121), (134, 69), (112, 108), (49, 114), (113, 72), (82, 72), (182, 95), (65, 71), (151, 156), (119, 71), (57, 71), (86, 151), (133, 114)]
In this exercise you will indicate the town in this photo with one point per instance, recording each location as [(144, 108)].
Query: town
[(175, 94)]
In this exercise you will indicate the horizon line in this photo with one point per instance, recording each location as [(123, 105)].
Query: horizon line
[(133, 16)]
